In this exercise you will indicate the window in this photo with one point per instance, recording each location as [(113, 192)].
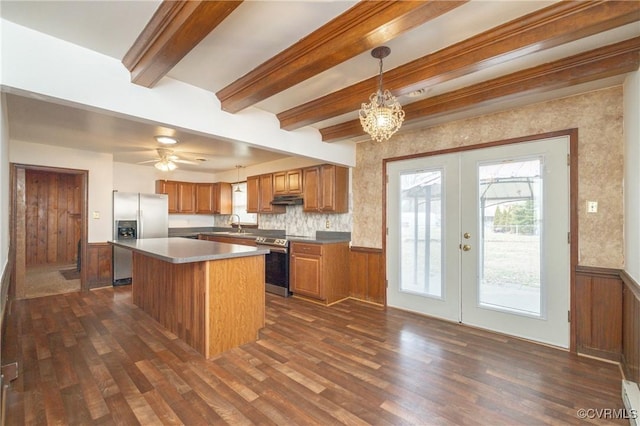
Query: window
[(240, 204)]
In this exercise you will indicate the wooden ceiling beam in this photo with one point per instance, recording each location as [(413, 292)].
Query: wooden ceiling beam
[(600, 63), (175, 28), (549, 27), (364, 26)]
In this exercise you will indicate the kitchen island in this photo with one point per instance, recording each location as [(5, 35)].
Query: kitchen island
[(211, 295)]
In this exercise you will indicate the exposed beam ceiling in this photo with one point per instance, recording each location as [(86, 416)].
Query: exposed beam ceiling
[(557, 24), (597, 64), (359, 29), (304, 66), (175, 28)]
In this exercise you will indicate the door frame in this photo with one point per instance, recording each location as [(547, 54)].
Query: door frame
[(572, 134), (17, 223)]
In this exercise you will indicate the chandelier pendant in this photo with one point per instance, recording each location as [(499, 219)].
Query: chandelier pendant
[(383, 115)]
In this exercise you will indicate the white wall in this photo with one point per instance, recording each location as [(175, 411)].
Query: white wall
[(36, 63), (99, 166), (632, 175)]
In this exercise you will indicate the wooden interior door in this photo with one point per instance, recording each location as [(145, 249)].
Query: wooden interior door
[(52, 218), (77, 215)]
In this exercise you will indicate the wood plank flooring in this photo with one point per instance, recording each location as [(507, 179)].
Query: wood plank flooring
[(95, 358)]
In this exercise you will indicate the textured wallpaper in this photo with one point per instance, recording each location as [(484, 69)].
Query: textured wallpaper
[(597, 116)]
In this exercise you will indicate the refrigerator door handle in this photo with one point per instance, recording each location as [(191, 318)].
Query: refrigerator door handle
[(140, 225)]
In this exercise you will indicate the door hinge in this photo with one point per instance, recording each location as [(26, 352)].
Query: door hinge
[(387, 231), (568, 159), (387, 178), (569, 237), (386, 283), (568, 316)]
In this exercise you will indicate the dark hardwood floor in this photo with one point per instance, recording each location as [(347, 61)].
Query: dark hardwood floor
[(94, 358)]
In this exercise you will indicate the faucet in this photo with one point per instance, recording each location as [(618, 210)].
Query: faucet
[(238, 223)]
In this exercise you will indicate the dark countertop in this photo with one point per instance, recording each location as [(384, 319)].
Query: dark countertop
[(185, 250), (321, 237)]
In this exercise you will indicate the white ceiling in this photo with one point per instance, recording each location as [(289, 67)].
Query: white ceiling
[(253, 33)]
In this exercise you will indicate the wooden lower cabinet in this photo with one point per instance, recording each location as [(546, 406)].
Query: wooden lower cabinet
[(320, 271)]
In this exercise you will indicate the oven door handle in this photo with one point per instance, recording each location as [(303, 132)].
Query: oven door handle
[(274, 249)]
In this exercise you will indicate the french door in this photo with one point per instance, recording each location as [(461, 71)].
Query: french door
[(481, 237)]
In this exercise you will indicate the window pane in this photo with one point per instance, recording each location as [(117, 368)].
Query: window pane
[(239, 204), (510, 222), (420, 233)]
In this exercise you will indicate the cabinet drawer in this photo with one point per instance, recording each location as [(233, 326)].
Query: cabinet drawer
[(301, 248)]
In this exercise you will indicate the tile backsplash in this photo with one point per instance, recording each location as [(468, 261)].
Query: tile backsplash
[(297, 222)]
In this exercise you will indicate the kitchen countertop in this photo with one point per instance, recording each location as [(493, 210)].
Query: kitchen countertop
[(185, 250), (321, 237)]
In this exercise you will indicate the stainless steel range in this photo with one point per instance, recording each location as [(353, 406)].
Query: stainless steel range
[(276, 264)]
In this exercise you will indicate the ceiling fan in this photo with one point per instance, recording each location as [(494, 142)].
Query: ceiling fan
[(167, 160)]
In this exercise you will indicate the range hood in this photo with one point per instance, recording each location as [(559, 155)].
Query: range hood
[(287, 200)]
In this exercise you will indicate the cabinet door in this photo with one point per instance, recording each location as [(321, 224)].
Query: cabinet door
[(253, 194), (311, 194), (266, 193), (280, 186), (186, 197), (306, 276), (334, 189), (171, 189), (205, 198), (287, 182), (222, 202), (294, 181), (266, 196)]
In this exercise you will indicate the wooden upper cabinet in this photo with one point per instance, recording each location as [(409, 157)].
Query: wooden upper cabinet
[(266, 196), (186, 197), (170, 188), (205, 196), (326, 189), (213, 198), (260, 194), (223, 202), (253, 194), (288, 182), (311, 195), (199, 198)]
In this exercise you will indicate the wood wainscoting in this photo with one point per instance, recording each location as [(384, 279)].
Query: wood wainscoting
[(367, 276), (598, 312), (98, 265), (608, 317), (630, 328)]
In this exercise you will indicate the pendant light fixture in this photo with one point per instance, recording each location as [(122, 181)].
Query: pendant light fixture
[(238, 181), (383, 115)]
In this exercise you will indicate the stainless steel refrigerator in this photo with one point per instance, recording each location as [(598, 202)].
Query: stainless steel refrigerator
[(136, 216)]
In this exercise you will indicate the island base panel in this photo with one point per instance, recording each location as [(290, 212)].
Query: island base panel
[(236, 302), (174, 295)]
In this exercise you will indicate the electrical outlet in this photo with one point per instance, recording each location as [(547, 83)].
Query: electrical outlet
[(592, 207), (327, 224)]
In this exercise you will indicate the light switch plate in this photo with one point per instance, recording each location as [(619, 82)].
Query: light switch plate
[(592, 207)]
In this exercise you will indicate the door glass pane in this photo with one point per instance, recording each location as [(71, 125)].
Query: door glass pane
[(510, 197), (421, 232)]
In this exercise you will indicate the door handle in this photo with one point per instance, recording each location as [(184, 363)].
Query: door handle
[(465, 247), (466, 235)]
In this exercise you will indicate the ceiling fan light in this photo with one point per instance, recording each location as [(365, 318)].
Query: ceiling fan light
[(165, 166), (383, 115), (166, 140)]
